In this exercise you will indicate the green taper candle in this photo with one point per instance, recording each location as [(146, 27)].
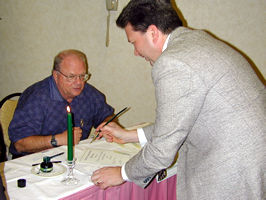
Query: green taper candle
[(69, 135)]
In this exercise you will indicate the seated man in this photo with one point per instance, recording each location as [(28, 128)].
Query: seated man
[(40, 119)]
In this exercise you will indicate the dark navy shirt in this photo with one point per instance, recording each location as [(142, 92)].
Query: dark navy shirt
[(41, 110)]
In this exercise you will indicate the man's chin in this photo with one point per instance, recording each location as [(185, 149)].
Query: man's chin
[(76, 92), (148, 60)]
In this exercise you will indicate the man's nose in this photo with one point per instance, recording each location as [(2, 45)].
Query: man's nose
[(78, 79)]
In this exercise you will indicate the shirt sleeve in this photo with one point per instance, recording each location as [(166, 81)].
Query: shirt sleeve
[(27, 119), (142, 141), (123, 173), (141, 136)]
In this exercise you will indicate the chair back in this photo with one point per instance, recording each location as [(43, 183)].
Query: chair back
[(7, 109)]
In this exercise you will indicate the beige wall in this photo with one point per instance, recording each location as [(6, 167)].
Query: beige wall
[(32, 32)]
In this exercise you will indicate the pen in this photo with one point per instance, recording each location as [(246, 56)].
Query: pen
[(59, 154), (109, 122), (51, 162)]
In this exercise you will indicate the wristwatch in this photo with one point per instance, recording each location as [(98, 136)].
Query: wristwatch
[(53, 141)]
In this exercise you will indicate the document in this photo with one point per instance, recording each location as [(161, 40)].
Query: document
[(105, 157)]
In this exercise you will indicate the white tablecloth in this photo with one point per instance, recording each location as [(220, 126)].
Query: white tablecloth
[(51, 188)]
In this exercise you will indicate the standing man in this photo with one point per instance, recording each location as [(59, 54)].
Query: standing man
[(40, 119), (210, 109)]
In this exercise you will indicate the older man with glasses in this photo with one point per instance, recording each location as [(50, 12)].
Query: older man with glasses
[(40, 120)]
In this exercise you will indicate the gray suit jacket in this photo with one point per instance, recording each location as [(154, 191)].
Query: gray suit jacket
[(210, 109)]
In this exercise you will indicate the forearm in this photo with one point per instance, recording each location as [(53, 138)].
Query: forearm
[(38, 143), (131, 136), (33, 144)]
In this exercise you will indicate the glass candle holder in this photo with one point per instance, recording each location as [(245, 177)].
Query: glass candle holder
[(70, 179)]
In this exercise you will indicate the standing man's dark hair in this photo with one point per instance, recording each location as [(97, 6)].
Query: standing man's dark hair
[(140, 15)]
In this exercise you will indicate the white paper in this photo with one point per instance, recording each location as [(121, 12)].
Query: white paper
[(105, 157)]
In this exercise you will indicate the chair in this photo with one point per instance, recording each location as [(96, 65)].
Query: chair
[(7, 108), (3, 156)]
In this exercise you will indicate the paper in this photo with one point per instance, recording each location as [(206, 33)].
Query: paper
[(105, 157)]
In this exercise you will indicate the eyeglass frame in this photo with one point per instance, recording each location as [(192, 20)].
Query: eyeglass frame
[(72, 78)]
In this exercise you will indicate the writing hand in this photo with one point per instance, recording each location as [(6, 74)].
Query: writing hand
[(113, 133)]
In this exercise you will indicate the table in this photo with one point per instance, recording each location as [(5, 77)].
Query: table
[(165, 190), (51, 188)]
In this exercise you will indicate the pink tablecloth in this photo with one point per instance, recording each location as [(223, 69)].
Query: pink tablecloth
[(165, 190)]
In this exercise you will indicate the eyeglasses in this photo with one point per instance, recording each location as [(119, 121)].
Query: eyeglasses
[(72, 78)]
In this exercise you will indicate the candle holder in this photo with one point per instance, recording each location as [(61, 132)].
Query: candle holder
[(70, 179)]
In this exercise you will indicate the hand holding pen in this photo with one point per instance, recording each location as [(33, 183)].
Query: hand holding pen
[(115, 116), (114, 133)]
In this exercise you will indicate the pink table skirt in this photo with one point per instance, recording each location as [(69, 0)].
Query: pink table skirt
[(165, 190)]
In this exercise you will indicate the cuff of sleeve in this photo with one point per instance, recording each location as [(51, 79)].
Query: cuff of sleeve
[(123, 173), (141, 136)]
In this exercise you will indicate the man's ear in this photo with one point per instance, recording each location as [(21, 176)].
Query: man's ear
[(54, 73), (154, 31)]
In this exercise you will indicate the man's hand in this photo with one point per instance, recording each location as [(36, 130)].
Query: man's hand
[(115, 133), (107, 177), (112, 133), (62, 138), (77, 133)]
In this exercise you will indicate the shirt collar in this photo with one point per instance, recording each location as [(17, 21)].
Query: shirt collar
[(166, 42), (54, 92)]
